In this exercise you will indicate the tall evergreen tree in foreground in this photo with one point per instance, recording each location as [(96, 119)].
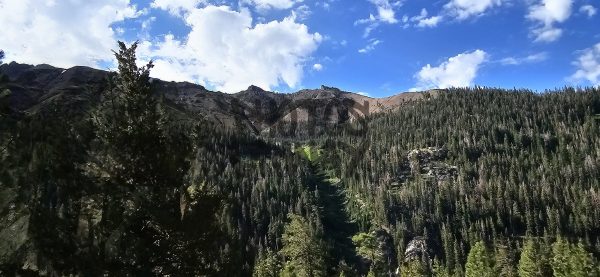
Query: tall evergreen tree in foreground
[(479, 261), (141, 160), (133, 147), (571, 260), (534, 260)]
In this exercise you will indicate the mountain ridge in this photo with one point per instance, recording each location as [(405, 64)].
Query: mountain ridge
[(33, 86)]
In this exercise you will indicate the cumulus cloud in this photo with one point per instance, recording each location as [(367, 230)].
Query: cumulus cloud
[(546, 14), (370, 47), (588, 10), (225, 50), (272, 4), (533, 58), (176, 7), (61, 33), (458, 71), (318, 67), (463, 9), (385, 14), (588, 66)]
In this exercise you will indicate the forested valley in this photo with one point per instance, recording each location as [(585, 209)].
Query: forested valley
[(456, 182)]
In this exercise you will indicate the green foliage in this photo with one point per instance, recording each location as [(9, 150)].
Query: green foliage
[(533, 261), (571, 260), (439, 270), (505, 261), (303, 249), (368, 247), (268, 265), (310, 153), (479, 261), (413, 268), (134, 146)]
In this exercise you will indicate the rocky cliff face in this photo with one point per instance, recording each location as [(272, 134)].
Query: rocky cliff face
[(427, 163)]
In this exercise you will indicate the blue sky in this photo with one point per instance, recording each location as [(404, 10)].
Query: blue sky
[(377, 47)]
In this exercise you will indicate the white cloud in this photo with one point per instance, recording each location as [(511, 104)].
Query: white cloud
[(302, 12), (547, 34), (547, 13), (588, 66), (318, 67), (370, 47), (457, 9), (272, 4), (176, 7), (458, 71), (589, 10), (326, 5), (385, 14), (463, 9), (422, 20), (429, 22), (61, 33), (225, 50), (533, 58)]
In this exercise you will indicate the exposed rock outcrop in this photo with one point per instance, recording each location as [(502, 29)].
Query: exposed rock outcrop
[(428, 163)]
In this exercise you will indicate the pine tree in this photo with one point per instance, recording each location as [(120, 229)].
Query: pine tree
[(268, 265), (135, 145), (141, 160), (368, 248), (505, 264), (570, 260), (479, 261), (303, 249), (582, 262), (561, 258), (533, 261), (413, 268), (440, 270)]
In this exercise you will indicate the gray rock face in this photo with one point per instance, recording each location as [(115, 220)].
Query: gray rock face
[(416, 249), (429, 164)]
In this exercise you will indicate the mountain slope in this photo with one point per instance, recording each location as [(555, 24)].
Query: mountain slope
[(32, 88)]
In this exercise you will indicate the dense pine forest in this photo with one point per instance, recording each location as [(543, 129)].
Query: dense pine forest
[(456, 182)]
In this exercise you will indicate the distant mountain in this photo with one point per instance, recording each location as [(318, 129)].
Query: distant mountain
[(34, 87)]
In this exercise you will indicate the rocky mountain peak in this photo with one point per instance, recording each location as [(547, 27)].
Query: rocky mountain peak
[(253, 88)]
